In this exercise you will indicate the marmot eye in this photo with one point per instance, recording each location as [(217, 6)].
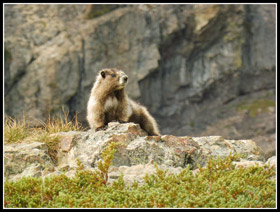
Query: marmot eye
[(103, 74), (113, 75)]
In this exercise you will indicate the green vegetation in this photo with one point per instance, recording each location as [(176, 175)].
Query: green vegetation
[(256, 107), (219, 185)]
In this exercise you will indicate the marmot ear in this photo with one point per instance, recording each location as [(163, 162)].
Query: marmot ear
[(103, 74)]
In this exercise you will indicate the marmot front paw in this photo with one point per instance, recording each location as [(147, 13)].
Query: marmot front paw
[(120, 121), (101, 128)]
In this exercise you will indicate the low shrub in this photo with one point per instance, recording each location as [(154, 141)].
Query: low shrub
[(218, 185)]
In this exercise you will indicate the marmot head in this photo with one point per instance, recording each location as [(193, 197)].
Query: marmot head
[(113, 78)]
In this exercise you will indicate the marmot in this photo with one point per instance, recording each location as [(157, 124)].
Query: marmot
[(109, 102)]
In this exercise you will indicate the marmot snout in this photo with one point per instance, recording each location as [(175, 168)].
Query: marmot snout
[(123, 79), (109, 102)]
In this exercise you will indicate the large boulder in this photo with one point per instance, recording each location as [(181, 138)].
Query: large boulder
[(135, 156)]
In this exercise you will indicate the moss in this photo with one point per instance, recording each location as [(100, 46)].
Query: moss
[(234, 29), (238, 58), (99, 10), (192, 123), (8, 55), (53, 85), (149, 6), (44, 24), (256, 107), (218, 185)]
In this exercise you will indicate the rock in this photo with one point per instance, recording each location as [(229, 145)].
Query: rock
[(271, 161), (26, 159), (193, 66), (138, 172), (218, 146), (137, 148), (134, 157), (247, 164)]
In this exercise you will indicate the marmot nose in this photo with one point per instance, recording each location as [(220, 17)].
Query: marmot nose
[(125, 78)]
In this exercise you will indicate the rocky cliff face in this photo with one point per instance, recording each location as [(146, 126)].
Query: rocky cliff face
[(134, 157), (200, 69)]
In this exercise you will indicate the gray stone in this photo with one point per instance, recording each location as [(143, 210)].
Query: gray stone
[(272, 161), (26, 159), (134, 157)]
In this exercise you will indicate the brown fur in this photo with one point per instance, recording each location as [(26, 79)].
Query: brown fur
[(109, 102)]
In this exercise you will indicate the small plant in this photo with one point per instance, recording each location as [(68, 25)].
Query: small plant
[(61, 124), (15, 130), (100, 176), (107, 156)]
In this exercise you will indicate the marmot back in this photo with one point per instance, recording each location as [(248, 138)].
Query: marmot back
[(109, 102)]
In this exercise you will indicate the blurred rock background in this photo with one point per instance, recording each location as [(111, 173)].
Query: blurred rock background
[(200, 69)]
